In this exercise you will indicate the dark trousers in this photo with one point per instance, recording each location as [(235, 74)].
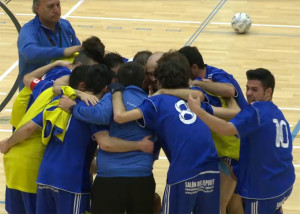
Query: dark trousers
[(123, 194)]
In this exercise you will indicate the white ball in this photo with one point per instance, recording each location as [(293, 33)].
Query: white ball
[(241, 23)]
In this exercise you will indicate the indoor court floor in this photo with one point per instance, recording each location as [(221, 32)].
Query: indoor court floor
[(127, 27)]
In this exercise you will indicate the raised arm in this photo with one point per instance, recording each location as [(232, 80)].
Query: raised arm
[(216, 124), (181, 93), (87, 98), (113, 144), (21, 134), (216, 88), (120, 113), (40, 72), (227, 113)]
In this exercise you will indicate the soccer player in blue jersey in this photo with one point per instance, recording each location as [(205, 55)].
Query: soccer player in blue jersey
[(265, 172), (193, 175), (219, 85)]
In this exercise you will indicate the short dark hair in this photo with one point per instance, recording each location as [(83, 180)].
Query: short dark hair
[(193, 56), (34, 2), (112, 60), (131, 73), (264, 76), (95, 77), (92, 50), (173, 70), (141, 57)]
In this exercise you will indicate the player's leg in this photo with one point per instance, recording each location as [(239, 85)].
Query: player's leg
[(235, 205), (227, 184), (19, 202), (108, 195), (141, 195)]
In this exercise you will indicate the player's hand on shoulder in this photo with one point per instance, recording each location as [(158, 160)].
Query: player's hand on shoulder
[(69, 51), (65, 103), (89, 99), (146, 145)]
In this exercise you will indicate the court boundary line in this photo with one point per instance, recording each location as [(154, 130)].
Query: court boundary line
[(205, 23)]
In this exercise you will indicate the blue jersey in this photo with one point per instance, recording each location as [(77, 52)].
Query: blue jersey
[(265, 169), (35, 48), (186, 140), (219, 75), (66, 164), (47, 81), (119, 164)]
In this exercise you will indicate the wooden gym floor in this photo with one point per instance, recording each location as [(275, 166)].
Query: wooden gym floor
[(130, 26)]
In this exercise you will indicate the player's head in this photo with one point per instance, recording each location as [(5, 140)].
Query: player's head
[(142, 57), (195, 59), (260, 85), (49, 11), (173, 71), (92, 52), (113, 61), (150, 82), (131, 73), (91, 78)]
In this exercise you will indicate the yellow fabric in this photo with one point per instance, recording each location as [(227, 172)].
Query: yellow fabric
[(19, 106), (22, 162), (227, 146), (70, 58), (37, 106), (55, 120)]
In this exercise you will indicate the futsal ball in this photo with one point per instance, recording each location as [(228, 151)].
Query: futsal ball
[(241, 23)]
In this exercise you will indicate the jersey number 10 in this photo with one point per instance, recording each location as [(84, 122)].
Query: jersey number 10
[(282, 134)]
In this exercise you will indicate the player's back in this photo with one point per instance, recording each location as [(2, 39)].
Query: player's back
[(187, 140)]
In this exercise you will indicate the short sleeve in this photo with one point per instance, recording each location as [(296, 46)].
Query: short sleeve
[(247, 121), (149, 112)]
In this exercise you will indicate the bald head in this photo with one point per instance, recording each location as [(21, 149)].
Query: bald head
[(152, 61)]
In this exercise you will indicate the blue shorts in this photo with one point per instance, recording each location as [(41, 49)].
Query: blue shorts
[(200, 194), (53, 200), (19, 202), (267, 206)]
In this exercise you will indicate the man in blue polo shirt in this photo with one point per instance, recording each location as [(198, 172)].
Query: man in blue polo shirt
[(44, 38)]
